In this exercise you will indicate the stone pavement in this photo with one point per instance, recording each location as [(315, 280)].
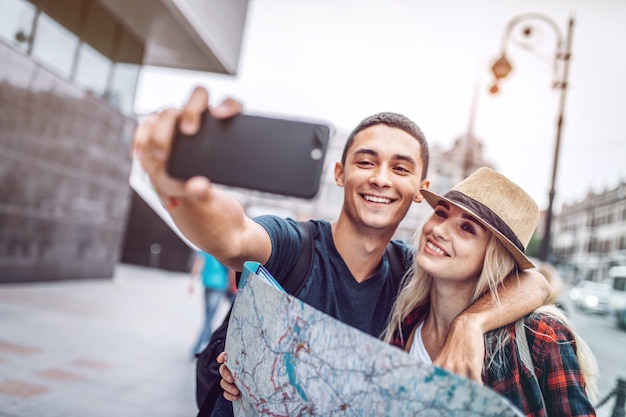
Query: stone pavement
[(100, 348)]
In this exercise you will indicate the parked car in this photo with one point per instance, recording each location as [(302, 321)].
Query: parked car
[(591, 297), (620, 318), (617, 277)]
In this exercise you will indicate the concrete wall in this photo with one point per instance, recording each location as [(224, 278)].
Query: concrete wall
[(64, 166)]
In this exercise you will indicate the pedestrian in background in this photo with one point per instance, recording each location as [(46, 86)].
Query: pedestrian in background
[(216, 281)]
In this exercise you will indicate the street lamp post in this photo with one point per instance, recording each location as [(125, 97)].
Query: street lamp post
[(501, 67)]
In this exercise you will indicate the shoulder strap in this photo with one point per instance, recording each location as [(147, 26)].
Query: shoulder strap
[(397, 259), (525, 355), (294, 281)]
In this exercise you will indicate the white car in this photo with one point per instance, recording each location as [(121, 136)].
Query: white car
[(617, 277), (592, 297)]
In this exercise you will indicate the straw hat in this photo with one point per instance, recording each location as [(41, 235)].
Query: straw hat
[(499, 204)]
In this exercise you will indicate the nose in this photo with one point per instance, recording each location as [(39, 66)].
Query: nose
[(440, 230), (381, 177)]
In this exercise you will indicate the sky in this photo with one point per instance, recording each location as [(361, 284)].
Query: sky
[(339, 61)]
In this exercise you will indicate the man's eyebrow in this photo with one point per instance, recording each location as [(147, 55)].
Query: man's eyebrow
[(366, 151), (372, 152), (405, 158)]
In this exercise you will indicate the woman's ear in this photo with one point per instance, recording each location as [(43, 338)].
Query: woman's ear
[(418, 196), (339, 174)]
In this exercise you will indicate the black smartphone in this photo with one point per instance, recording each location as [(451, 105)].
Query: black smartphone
[(261, 153)]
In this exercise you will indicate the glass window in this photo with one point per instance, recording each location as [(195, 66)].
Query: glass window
[(128, 59), (54, 45), (92, 70), (123, 86), (16, 22)]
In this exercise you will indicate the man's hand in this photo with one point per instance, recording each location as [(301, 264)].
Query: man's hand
[(231, 392), (464, 349), (153, 139)]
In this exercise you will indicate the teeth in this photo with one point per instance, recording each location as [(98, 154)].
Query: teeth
[(377, 199), (434, 248)]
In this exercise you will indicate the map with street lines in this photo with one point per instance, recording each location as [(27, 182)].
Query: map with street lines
[(289, 359)]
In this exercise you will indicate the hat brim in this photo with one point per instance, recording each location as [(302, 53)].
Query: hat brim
[(520, 257)]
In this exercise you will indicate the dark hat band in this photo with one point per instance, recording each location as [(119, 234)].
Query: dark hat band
[(486, 215)]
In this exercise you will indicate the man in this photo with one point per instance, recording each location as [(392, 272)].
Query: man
[(383, 166)]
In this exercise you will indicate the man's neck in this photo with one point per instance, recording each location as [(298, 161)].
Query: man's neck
[(361, 248)]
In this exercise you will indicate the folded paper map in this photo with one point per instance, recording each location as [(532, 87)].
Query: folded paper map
[(289, 359)]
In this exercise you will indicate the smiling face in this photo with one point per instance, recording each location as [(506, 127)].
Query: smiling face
[(452, 245), (381, 177)]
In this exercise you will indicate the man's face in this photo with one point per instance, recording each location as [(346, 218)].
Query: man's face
[(381, 176)]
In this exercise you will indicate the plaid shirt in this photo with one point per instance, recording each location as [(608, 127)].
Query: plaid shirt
[(553, 351)]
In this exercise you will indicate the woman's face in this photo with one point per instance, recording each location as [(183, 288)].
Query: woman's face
[(453, 244)]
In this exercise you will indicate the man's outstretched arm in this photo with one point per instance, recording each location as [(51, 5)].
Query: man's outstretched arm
[(464, 349)]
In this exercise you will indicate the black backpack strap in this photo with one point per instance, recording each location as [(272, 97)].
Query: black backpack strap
[(294, 281), (398, 263)]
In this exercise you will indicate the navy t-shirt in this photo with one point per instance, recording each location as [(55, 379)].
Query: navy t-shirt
[(331, 287)]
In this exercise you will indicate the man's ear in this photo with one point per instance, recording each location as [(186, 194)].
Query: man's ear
[(339, 174), (418, 196)]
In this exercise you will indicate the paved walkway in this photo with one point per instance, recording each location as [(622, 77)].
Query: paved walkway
[(100, 348)]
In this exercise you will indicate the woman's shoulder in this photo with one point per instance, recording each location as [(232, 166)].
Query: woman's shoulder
[(549, 326)]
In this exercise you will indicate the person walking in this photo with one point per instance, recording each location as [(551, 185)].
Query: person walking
[(216, 285)]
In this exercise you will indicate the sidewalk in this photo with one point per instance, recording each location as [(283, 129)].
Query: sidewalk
[(94, 348)]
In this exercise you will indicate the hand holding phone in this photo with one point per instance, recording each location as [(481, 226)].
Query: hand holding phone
[(255, 152)]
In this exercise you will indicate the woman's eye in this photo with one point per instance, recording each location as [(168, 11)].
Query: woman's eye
[(468, 228), (441, 213)]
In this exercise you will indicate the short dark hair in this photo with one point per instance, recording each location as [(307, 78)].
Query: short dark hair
[(392, 120)]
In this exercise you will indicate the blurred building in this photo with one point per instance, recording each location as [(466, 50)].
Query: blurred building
[(589, 236), (68, 76)]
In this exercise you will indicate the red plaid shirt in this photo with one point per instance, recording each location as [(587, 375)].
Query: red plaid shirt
[(553, 351)]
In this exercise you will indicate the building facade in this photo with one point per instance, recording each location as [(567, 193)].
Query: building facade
[(68, 76), (589, 236)]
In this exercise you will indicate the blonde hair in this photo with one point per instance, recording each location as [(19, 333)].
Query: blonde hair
[(553, 278), (498, 264)]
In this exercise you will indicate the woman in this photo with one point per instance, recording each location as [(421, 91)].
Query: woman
[(477, 234)]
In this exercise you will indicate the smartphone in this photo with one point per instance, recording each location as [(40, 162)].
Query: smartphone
[(261, 153)]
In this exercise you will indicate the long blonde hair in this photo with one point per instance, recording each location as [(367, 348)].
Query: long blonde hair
[(498, 264)]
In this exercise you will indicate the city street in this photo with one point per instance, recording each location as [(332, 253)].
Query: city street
[(100, 347), (608, 344)]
